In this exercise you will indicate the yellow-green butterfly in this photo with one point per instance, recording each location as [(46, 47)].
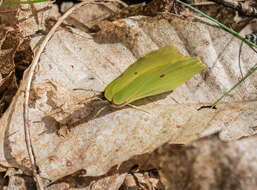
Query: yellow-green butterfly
[(160, 71)]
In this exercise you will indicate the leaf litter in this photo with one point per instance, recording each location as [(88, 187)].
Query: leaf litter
[(91, 62)]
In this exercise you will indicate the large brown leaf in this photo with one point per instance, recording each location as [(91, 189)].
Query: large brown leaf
[(97, 142)]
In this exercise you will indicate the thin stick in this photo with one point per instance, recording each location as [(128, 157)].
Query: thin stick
[(27, 90), (203, 3), (119, 1), (211, 3)]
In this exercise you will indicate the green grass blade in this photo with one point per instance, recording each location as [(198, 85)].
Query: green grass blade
[(235, 34), (22, 2), (238, 83)]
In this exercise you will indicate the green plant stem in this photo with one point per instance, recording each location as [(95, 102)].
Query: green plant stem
[(23, 2), (235, 34), (225, 94)]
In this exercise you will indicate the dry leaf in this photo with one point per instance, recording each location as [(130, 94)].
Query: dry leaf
[(111, 181), (208, 164), (9, 42), (8, 14), (97, 143)]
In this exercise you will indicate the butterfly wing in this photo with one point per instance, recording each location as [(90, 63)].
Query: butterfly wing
[(151, 61), (159, 80)]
